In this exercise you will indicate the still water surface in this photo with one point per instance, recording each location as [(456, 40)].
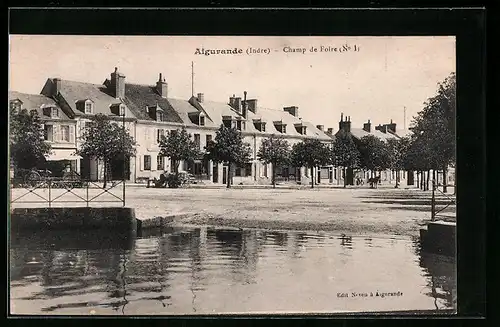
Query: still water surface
[(206, 271)]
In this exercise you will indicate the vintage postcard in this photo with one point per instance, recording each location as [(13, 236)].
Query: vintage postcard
[(187, 175)]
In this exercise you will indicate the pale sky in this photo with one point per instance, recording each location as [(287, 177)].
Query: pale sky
[(376, 83)]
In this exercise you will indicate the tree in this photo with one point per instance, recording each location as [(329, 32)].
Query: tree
[(344, 153), (397, 149), (178, 145), (105, 140), (27, 146), (434, 127), (228, 147), (275, 151), (374, 153), (310, 153)]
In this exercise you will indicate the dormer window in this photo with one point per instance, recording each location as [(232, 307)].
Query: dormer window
[(202, 120), (88, 107), (301, 129), (280, 127), (15, 105), (122, 110), (54, 112), (159, 116), (227, 121), (259, 125)]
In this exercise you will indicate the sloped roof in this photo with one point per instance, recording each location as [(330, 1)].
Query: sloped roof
[(35, 102), (403, 133), (359, 133), (73, 92), (269, 116), (138, 97), (184, 108), (215, 111)]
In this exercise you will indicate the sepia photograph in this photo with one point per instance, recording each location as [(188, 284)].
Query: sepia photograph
[(232, 175)]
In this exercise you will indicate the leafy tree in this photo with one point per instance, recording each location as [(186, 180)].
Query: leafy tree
[(434, 127), (374, 153), (228, 147), (27, 146), (105, 140), (275, 151), (397, 151), (344, 152), (178, 145), (310, 153)]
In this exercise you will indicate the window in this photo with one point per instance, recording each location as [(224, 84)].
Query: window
[(208, 139), (160, 163), (197, 140), (147, 162), (248, 169), (55, 112), (64, 133), (88, 107), (265, 170), (160, 133), (227, 123), (122, 110), (48, 133), (159, 116), (335, 173), (262, 127), (202, 120), (238, 125)]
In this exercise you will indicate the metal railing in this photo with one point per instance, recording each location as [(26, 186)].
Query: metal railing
[(434, 210), (50, 190)]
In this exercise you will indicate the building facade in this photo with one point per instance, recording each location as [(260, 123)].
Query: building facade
[(147, 113)]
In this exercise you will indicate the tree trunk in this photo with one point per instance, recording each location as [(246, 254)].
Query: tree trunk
[(345, 176), (421, 180), (428, 177), (229, 169), (445, 180), (397, 178), (274, 175), (176, 166), (312, 177), (105, 173), (434, 176)]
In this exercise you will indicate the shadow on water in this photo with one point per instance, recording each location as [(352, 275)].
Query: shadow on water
[(185, 267), (441, 276)]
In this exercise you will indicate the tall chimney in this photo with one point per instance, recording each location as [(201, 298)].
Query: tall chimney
[(56, 86), (162, 87), (320, 127), (330, 131), (244, 105), (200, 97), (345, 125), (118, 84)]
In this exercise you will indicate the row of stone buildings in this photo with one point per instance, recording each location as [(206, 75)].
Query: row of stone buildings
[(148, 113)]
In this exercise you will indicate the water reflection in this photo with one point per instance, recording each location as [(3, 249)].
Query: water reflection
[(207, 270)]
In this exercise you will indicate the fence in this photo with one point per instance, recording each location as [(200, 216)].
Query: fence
[(434, 210), (50, 190)]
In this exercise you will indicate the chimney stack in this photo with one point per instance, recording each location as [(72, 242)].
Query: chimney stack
[(118, 84), (200, 97), (320, 127), (252, 105), (293, 110), (56, 86), (244, 105), (330, 131), (367, 127), (345, 125), (162, 87)]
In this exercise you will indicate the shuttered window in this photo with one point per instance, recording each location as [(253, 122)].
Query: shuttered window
[(147, 162)]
